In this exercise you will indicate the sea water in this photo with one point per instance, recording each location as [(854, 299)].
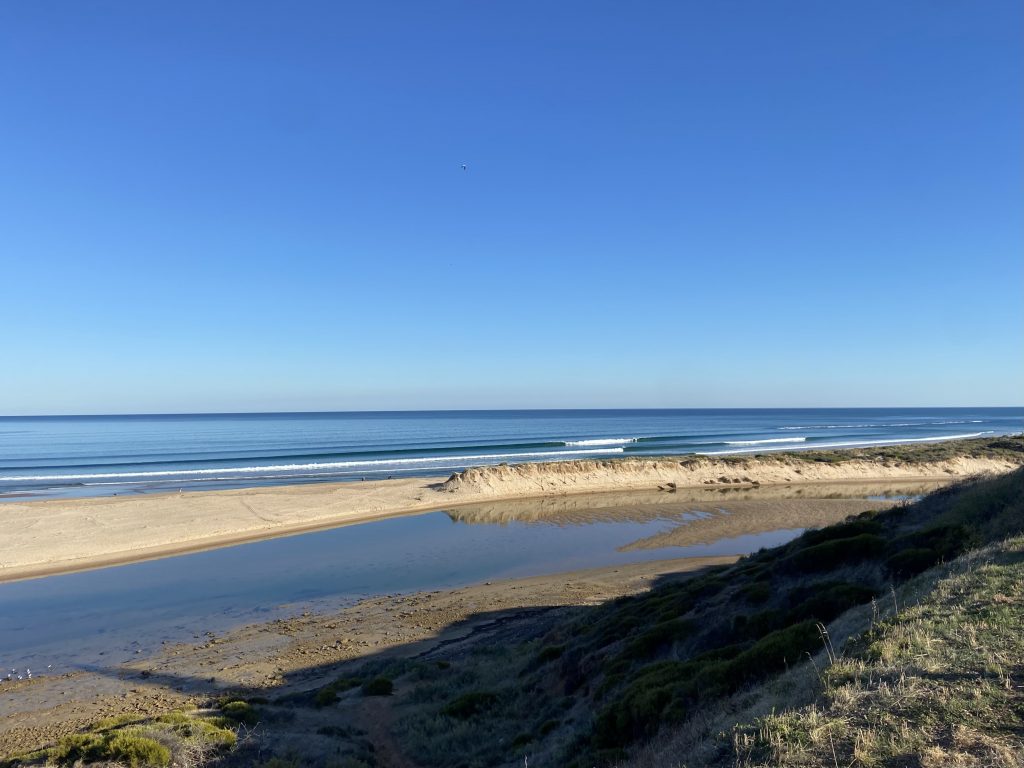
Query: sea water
[(53, 456)]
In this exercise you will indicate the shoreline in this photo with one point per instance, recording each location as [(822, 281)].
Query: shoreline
[(294, 655), (51, 537)]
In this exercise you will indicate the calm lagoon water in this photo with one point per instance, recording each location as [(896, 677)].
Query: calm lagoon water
[(69, 620)]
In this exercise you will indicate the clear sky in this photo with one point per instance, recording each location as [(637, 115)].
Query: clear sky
[(210, 206)]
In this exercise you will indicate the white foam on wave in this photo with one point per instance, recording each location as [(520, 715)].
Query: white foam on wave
[(603, 441), (859, 443), (893, 424), (763, 442), (429, 461)]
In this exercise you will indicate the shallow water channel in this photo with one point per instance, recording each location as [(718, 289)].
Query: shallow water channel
[(111, 613)]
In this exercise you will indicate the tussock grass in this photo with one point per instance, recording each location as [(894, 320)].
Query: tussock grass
[(939, 683)]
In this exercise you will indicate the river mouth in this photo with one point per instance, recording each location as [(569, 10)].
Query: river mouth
[(109, 615)]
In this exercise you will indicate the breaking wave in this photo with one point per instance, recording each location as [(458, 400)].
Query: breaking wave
[(603, 441), (763, 442), (866, 443), (892, 424), (278, 468)]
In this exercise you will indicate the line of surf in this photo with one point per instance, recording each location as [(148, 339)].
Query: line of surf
[(602, 441), (278, 468), (894, 424), (766, 442), (861, 443)]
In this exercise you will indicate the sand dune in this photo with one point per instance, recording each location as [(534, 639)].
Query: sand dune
[(592, 475)]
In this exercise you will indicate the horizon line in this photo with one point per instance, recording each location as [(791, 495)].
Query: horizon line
[(502, 410)]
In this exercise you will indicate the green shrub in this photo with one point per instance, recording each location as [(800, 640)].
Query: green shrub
[(830, 554), (773, 653), (636, 713), (379, 686), (329, 693), (757, 592), (912, 561), (548, 726), (829, 600), (521, 740), (549, 653), (658, 637), (947, 541), (240, 712), (856, 527), (470, 704), (755, 625), (137, 750), (87, 747)]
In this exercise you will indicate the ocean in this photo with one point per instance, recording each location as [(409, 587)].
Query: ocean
[(69, 456)]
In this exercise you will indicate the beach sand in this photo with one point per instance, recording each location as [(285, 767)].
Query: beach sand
[(62, 535)]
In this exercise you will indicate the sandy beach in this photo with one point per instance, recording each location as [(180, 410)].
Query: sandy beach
[(57, 536)]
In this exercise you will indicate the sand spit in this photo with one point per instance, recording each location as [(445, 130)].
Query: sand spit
[(589, 475), (63, 535)]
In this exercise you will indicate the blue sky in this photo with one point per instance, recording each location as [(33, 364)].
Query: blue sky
[(261, 206)]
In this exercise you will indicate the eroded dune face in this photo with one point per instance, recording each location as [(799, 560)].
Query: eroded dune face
[(695, 472)]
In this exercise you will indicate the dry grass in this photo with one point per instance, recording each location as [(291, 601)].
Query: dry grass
[(939, 683), (178, 739)]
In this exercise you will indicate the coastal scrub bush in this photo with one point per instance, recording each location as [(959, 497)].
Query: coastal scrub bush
[(137, 750), (379, 686), (912, 561), (828, 600), (470, 704), (756, 592), (658, 637), (240, 712), (947, 541), (754, 625), (830, 554), (724, 671), (860, 525), (549, 653), (214, 733), (329, 693), (84, 747), (124, 746), (637, 712)]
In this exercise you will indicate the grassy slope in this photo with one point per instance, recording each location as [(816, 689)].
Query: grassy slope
[(939, 683)]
